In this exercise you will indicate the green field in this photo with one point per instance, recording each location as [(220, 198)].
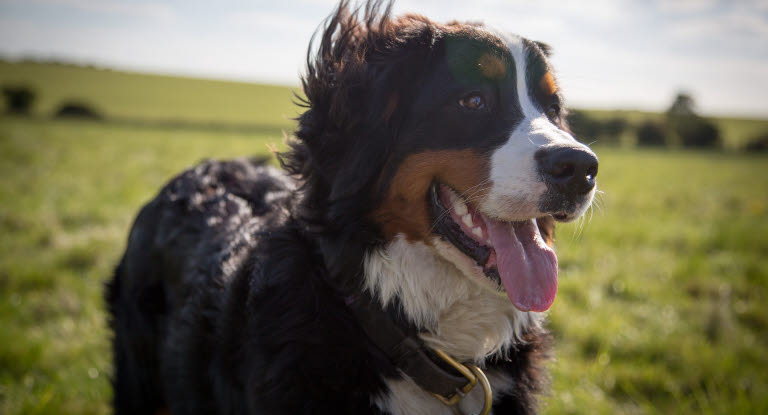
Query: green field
[(661, 307), (143, 97)]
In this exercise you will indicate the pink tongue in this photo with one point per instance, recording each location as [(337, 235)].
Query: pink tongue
[(527, 266)]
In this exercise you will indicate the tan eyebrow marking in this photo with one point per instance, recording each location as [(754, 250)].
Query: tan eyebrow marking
[(547, 84), (491, 66)]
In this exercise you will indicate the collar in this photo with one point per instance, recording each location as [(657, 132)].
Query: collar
[(433, 370)]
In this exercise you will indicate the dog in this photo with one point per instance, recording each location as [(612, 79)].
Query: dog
[(399, 263)]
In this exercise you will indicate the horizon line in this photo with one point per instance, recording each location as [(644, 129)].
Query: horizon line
[(140, 70)]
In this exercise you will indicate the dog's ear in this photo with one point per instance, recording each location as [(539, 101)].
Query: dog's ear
[(547, 229), (545, 48), (339, 52), (358, 85)]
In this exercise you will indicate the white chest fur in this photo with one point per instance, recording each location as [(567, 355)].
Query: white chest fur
[(458, 315)]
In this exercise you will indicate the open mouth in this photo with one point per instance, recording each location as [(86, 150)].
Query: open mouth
[(513, 255)]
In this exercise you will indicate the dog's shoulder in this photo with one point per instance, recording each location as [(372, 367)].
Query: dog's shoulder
[(254, 323), (282, 321), (212, 211)]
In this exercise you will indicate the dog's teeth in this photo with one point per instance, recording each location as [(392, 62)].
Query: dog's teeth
[(478, 232), (467, 219), (459, 207), (452, 197)]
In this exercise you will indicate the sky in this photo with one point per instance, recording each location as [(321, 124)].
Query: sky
[(627, 54)]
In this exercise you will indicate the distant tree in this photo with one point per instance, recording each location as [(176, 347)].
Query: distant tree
[(758, 144), (18, 99), (652, 134), (582, 124), (699, 133), (682, 106), (692, 129), (77, 109), (588, 129), (614, 127)]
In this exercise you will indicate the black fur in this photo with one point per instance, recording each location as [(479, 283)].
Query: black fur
[(231, 295)]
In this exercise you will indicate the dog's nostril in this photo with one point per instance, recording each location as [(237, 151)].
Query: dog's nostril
[(592, 172)]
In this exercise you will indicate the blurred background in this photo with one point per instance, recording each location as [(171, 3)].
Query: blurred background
[(662, 300)]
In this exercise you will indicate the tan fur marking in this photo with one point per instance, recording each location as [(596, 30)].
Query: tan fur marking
[(492, 67), (547, 229), (548, 85), (405, 209)]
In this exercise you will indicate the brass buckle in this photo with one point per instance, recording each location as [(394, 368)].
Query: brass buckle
[(473, 375)]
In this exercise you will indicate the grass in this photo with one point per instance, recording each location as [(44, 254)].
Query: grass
[(661, 302), (660, 308), (662, 289), (68, 195), (146, 97)]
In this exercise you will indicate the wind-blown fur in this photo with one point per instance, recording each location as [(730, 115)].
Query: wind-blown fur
[(232, 295)]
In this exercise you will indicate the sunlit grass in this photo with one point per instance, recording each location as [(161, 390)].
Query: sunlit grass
[(660, 308), (116, 94), (661, 301), (68, 194)]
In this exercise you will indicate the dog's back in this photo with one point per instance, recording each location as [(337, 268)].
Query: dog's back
[(182, 249), (220, 305)]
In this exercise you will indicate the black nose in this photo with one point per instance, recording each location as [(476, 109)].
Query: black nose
[(569, 170)]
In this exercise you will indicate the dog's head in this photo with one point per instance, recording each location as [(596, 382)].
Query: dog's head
[(448, 134)]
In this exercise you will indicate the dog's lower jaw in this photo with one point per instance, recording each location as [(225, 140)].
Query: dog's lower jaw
[(459, 314)]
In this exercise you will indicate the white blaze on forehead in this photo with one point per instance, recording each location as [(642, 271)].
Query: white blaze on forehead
[(517, 186), (540, 130), (517, 49)]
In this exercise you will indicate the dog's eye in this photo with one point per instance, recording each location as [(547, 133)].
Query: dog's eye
[(553, 111), (473, 102)]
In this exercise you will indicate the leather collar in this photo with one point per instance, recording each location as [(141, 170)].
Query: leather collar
[(407, 351)]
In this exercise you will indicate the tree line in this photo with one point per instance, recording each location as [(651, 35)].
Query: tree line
[(679, 126)]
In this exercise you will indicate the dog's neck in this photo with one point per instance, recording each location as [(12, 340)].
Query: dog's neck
[(454, 314)]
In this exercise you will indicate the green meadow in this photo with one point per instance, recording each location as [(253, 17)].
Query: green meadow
[(663, 285), (152, 98)]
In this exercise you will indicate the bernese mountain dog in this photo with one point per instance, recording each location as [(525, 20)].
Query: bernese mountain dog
[(400, 261)]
